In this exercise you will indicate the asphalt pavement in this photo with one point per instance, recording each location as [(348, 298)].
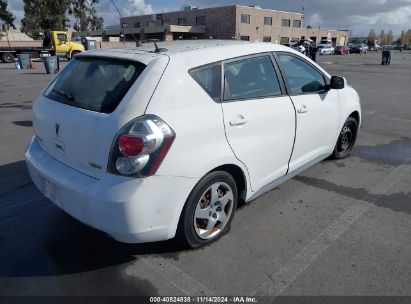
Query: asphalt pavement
[(339, 228)]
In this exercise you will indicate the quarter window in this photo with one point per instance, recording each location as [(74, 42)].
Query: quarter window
[(250, 78), (301, 77), (209, 79)]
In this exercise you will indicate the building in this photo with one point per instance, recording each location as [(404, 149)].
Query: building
[(251, 23)]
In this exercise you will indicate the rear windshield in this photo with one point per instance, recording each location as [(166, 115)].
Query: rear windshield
[(96, 84)]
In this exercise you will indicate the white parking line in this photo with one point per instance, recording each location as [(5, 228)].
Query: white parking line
[(289, 272), (176, 277), (281, 279), (396, 119)]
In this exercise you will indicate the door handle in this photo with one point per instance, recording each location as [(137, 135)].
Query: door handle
[(238, 122), (302, 109)]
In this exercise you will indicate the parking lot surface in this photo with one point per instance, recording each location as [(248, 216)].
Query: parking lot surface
[(340, 228)]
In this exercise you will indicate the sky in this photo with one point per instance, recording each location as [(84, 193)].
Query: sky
[(357, 15)]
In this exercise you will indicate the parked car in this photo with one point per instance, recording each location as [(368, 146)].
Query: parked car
[(303, 45), (361, 48), (325, 49), (149, 144), (341, 50), (299, 48)]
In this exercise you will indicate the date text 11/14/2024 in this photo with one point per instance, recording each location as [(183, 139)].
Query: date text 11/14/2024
[(203, 299)]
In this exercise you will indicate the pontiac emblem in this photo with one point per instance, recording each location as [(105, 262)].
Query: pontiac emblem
[(57, 128)]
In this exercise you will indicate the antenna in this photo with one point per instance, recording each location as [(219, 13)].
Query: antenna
[(159, 50), (132, 34)]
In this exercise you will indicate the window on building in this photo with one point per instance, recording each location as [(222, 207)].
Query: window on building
[(250, 78), (268, 21), (166, 22), (245, 18), (301, 77), (284, 40), (245, 38), (136, 24), (182, 21), (267, 39), (124, 25), (209, 79), (297, 23), (286, 22), (201, 20), (151, 23)]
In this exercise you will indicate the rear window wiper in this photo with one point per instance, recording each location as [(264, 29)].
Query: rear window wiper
[(66, 95)]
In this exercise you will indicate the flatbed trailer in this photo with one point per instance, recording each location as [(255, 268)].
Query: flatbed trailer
[(55, 43), (10, 49)]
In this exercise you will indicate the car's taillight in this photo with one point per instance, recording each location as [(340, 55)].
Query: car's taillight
[(130, 145), (140, 147)]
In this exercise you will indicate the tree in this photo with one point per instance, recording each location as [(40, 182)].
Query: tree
[(6, 17), (86, 15), (372, 37), (407, 37), (382, 37), (390, 37), (44, 15)]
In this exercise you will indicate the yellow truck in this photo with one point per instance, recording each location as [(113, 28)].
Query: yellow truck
[(54, 43)]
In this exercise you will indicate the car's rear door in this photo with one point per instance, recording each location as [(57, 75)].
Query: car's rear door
[(317, 109), (259, 117)]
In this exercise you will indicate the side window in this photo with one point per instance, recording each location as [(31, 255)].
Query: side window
[(62, 37), (209, 78), (301, 76), (250, 78)]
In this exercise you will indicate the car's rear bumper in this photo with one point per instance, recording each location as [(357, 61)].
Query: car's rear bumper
[(131, 210)]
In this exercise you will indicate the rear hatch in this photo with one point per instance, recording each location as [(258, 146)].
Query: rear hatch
[(79, 114)]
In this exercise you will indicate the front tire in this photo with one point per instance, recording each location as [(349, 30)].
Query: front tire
[(74, 53), (346, 139), (209, 210)]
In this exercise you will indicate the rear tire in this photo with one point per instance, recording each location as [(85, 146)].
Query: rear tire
[(346, 139), (208, 211), (7, 58)]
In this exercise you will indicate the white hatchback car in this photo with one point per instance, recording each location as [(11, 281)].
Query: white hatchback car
[(326, 49), (147, 145)]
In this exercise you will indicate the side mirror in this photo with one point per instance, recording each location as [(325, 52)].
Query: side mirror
[(338, 83)]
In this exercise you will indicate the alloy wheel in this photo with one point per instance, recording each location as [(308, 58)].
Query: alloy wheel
[(213, 210)]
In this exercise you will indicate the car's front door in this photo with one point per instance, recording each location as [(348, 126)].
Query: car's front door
[(317, 109), (62, 45), (259, 117)]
